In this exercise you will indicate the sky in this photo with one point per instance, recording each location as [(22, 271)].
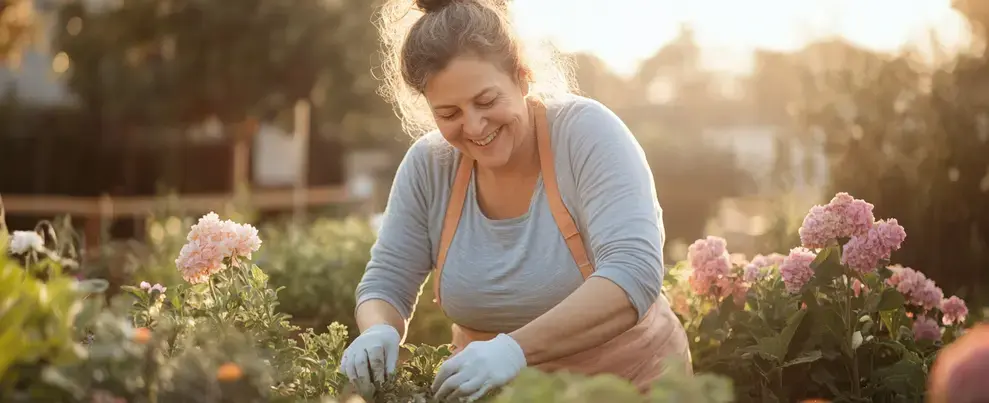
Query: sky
[(623, 32)]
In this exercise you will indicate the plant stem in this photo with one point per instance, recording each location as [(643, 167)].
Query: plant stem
[(856, 384), (212, 291)]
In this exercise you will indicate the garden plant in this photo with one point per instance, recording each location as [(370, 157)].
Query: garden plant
[(832, 319)]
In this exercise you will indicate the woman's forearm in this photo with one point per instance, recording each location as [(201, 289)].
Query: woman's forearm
[(596, 312), (375, 311)]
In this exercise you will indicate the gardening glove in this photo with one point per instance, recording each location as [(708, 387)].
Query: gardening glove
[(377, 348), (481, 366)]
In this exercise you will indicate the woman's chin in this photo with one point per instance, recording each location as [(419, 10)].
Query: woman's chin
[(490, 158)]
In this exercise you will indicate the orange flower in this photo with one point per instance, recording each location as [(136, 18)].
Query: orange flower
[(229, 372), (142, 335)]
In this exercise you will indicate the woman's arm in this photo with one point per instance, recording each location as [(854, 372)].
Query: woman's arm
[(401, 256), (623, 228), (597, 312)]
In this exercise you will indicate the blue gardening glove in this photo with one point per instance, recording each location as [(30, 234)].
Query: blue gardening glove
[(481, 366), (371, 357)]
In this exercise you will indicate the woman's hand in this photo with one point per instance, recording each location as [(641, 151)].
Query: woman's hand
[(481, 366), (377, 348)]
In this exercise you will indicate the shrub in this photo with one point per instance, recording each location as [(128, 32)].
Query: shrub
[(215, 338), (833, 319)]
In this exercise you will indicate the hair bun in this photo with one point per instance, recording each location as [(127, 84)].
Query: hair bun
[(432, 6)]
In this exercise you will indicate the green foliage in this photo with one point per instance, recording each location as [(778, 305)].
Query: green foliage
[(828, 341), (222, 341), (316, 268)]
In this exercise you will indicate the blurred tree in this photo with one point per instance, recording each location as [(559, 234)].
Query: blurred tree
[(914, 140), (18, 28), (692, 175), (180, 62)]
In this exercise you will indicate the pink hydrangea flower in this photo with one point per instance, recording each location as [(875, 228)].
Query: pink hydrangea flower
[(710, 262), (864, 252), (210, 241), (954, 310), (757, 269), (796, 270), (925, 328), (843, 217), (854, 215), (917, 288)]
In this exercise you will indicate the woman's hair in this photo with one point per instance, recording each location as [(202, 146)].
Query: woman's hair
[(420, 37)]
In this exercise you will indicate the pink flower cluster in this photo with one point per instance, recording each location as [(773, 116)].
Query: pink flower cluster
[(954, 311), (711, 275), (149, 288), (843, 217), (210, 241), (917, 288), (796, 270), (925, 328), (756, 269), (864, 252)]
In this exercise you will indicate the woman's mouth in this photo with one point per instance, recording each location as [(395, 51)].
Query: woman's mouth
[(489, 138)]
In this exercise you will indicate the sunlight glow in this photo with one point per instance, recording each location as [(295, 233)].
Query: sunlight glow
[(624, 32)]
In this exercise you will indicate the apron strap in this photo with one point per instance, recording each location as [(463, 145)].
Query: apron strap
[(565, 223), (455, 208)]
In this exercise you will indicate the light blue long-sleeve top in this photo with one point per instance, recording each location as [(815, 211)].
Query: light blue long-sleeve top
[(502, 274)]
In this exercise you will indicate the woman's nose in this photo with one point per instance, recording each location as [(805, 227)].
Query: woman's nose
[(474, 124)]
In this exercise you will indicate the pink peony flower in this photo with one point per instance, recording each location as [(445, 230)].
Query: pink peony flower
[(843, 217), (917, 288), (210, 241), (796, 270), (925, 328), (954, 311), (864, 252)]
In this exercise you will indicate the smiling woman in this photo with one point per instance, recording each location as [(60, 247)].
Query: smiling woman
[(543, 230)]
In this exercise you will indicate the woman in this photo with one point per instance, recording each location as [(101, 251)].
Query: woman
[(536, 209)]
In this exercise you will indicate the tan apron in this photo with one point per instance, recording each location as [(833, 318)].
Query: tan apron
[(637, 354)]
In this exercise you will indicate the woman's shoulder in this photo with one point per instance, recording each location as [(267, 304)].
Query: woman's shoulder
[(582, 125)]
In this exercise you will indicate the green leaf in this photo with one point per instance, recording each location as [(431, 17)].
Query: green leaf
[(891, 300), (872, 303), (827, 266), (892, 321), (792, 323), (804, 358)]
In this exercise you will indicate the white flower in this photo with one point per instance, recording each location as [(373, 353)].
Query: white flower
[(24, 241), (856, 340)]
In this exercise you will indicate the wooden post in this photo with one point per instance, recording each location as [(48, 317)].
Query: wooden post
[(243, 132), (301, 141)]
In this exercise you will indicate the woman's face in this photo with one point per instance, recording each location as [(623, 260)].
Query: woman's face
[(481, 110)]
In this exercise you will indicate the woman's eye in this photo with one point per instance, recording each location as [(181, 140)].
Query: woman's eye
[(487, 104)]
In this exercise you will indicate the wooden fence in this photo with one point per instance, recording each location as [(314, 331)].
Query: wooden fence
[(93, 211)]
